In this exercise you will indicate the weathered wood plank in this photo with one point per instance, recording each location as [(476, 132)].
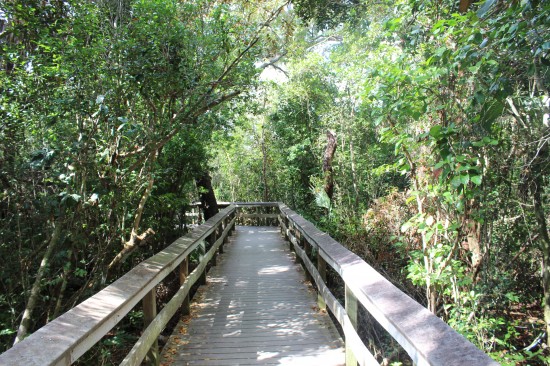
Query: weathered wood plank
[(183, 274), (322, 269), (257, 216), (149, 314), (256, 307), (351, 310)]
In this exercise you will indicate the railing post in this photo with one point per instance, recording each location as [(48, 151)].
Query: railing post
[(237, 215), (288, 237), (322, 269), (286, 228), (149, 313), (212, 240), (234, 216), (202, 250), (222, 229), (184, 272), (307, 248), (351, 310)]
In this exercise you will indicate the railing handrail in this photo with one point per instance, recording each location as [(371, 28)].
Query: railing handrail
[(224, 204), (426, 338), (63, 340)]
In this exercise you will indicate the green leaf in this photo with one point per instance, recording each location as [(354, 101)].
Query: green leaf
[(6, 332), (456, 181), (428, 235), (476, 179), (464, 167), (440, 51), (478, 143), (465, 179), (435, 131), (485, 8)]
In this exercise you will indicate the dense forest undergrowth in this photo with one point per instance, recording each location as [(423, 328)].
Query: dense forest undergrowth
[(414, 132)]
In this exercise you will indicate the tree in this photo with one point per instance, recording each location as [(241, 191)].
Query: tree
[(94, 98)]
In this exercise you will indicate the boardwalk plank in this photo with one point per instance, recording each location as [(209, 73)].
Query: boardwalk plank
[(255, 310)]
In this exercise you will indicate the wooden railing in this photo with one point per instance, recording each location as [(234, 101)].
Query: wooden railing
[(65, 339), (427, 339)]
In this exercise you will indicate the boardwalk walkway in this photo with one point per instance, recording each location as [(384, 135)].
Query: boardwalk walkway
[(255, 310)]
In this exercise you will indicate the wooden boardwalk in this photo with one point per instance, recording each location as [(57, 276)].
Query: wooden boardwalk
[(255, 310)]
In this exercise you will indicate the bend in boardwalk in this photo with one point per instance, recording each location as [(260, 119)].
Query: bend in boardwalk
[(256, 309)]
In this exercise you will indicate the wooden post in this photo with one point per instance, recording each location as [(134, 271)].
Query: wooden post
[(351, 309), (223, 225), (202, 251), (291, 244), (230, 232), (307, 248), (322, 269), (272, 222), (149, 313), (184, 272), (226, 223), (212, 240)]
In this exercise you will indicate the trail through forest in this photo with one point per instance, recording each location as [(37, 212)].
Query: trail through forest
[(414, 132)]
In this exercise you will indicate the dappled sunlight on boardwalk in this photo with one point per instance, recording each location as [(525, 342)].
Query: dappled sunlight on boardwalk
[(255, 310)]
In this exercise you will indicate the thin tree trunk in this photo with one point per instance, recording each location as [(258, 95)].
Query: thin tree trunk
[(135, 240), (36, 287), (207, 196), (65, 281), (431, 291), (327, 164), (264, 167), (472, 229), (538, 192), (545, 247), (464, 5), (354, 174)]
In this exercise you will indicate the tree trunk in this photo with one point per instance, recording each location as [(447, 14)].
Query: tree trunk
[(207, 196), (545, 248), (64, 282), (327, 164), (464, 5), (36, 287), (135, 240), (354, 175), (264, 166), (431, 291), (472, 230), (538, 192)]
